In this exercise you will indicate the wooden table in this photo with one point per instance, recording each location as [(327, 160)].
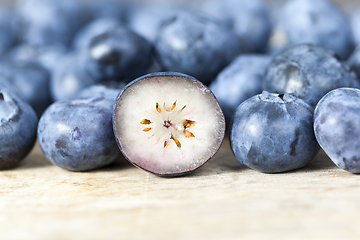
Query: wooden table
[(221, 200)]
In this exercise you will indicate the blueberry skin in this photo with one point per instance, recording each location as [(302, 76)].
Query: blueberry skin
[(18, 123), (77, 134), (317, 22), (94, 28), (308, 72), (29, 81), (240, 80), (337, 127), (250, 20), (48, 22), (195, 44), (272, 133), (117, 54)]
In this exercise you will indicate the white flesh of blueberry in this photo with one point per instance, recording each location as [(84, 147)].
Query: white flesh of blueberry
[(168, 125)]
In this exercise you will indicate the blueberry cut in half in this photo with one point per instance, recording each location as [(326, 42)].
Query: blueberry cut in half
[(168, 123)]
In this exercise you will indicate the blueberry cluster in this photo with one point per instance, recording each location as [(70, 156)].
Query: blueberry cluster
[(283, 78)]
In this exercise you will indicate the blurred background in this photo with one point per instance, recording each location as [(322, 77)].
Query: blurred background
[(59, 36)]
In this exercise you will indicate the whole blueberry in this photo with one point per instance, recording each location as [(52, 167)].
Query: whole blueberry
[(118, 53), (18, 123), (48, 22), (250, 20), (273, 133), (77, 134), (317, 22), (308, 72), (240, 80), (337, 127), (29, 81), (195, 44)]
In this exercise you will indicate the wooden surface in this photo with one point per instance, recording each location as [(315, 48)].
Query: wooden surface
[(221, 200)]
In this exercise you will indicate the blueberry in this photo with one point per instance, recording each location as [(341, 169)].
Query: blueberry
[(317, 22), (337, 127), (240, 80), (29, 81), (273, 133), (77, 134), (48, 22), (168, 123), (118, 53), (250, 20), (18, 123), (195, 44), (307, 71)]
